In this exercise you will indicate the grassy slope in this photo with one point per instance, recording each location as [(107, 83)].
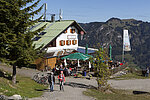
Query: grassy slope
[(25, 87), (116, 95)]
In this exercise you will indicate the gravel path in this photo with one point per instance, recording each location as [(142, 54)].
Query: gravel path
[(75, 86), (134, 84), (72, 90)]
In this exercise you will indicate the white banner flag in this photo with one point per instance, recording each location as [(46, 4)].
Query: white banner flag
[(126, 42)]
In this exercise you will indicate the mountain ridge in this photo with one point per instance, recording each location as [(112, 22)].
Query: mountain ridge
[(111, 32)]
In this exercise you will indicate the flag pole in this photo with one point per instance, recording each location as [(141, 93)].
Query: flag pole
[(123, 48), (123, 55)]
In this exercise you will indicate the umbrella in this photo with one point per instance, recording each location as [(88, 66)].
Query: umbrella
[(79, 64), (110, 50), (89, 64), (65, 62), (76, 56)]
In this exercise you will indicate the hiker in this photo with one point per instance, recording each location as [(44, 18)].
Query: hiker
[(60, 68), (46, 68), (61, 79), (70, 69), (147, 72), (143, 72), (66, 71), (51, 80)]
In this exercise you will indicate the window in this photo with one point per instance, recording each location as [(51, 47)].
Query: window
[(36, 38), (72, 30), (42, 33), (62, 42), (65, 31), (74, 42), (68, 42)]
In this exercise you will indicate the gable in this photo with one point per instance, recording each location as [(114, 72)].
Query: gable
[(51, 31)]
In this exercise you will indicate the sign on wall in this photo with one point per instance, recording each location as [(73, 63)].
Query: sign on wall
[(71, 36)]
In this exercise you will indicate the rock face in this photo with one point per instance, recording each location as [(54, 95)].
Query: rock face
[(111, 32), (3, 97), (120, 73)]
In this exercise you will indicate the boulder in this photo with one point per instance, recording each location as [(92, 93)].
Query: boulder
[(15, 97)]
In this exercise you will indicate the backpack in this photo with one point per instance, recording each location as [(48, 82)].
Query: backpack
[(50, 78), (61, 77)]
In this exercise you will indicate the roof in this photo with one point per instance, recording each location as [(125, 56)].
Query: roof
[(90, 50), (52, 30), (83, 50)]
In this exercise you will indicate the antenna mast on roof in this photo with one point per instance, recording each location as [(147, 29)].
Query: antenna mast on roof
[(60, 15), (45, 11)]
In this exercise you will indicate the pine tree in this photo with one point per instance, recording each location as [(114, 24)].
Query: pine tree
[(101, 69), (16, 45)]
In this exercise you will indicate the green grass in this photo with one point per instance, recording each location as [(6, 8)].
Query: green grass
[(116, 95), (130, 76), (25, 87)]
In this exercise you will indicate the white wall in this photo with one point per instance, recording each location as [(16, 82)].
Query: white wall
[(66, 36)]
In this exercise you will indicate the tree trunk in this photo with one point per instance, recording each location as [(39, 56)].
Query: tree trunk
[(98, 83), (14, 75)]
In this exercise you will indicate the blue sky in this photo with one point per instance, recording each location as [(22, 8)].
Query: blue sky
[(85, 11)]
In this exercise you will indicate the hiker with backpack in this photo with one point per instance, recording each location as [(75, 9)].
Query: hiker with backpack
[(147, 72), (61, 79), (51, 80)]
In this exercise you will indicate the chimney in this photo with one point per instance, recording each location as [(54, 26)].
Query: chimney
[(53, 18)]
